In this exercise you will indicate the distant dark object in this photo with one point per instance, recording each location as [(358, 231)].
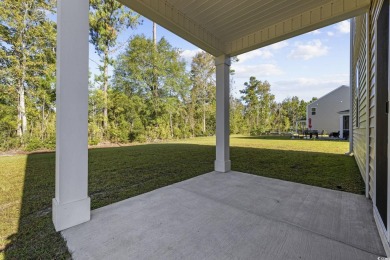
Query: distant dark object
[(346, 134), (337, 134), (311, 133)]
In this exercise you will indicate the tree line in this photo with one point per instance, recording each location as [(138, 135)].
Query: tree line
[(149, 96)]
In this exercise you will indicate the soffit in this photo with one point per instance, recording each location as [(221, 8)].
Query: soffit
[(236, 26)]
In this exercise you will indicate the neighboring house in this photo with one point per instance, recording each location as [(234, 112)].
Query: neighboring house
[(369, 124), (323, 114)]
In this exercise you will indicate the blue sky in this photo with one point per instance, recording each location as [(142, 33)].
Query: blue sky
[(306, 66)]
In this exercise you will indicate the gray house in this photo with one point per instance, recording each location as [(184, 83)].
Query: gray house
[(328, 112)]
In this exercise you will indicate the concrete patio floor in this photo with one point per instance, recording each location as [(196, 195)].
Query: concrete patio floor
[(231, 216)]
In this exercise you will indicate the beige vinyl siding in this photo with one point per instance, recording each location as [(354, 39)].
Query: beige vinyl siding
[(374, 12), (359, 84), (367, 81)]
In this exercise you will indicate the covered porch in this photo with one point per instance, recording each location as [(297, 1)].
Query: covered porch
[(223, 214)]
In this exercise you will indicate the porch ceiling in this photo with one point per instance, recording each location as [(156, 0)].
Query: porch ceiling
[(236, 26)]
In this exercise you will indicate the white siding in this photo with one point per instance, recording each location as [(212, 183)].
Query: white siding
[(327, 107)]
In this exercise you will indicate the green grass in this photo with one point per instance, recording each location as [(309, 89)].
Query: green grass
[(27, 181)]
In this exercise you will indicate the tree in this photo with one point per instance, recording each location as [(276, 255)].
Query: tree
[(258, 100), (107, 19), (203, 86), (156, 75), (280, 121), (237, 121), (294, 109), (27, 57)]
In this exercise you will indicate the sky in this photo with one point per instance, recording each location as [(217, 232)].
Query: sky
[(310, 65)]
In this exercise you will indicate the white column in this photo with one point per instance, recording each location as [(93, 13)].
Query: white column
[(341, 127), (222, 162), (71, 205)]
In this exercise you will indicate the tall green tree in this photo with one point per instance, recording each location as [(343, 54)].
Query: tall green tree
[(280, 121), (294, 109), (237, 120), (107, 19), (259, 100), (203, 86), (27, 58), (156, 74)]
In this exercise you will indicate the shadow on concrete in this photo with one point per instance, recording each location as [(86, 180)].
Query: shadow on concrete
[(119, 173)]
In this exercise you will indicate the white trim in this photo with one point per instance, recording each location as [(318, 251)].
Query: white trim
[(388, 138), (381, 230), (352, 27), (67, 215), (375, 101), (387, 232), (367, 105)]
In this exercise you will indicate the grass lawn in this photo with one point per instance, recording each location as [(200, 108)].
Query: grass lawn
[(27, 181)]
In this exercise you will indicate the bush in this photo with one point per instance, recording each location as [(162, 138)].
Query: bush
[(141, 138), (10, 143)]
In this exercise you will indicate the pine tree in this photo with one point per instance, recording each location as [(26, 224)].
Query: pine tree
[(258, 100), (107, 19)]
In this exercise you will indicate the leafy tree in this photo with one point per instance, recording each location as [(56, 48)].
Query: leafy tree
[(107, 19), (258, 100), (294, 110), (156, 74), (237, 121), (280, 121), (203, 86), (27, 60)]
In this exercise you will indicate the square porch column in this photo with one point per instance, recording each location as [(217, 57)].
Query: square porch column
[(71, 205), (341, 136), (222, 162)]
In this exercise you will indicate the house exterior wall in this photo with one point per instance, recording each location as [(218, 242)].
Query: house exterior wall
[(327, 107), (363, 83), (360, 84), (363, 89)]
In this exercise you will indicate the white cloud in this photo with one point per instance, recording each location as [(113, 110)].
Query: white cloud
[(278, 45), (187, 55), (336, 79), (343, 26), (309, 50), (260, 70), (263, 53), (260, 53), (315, 32), (308, 87), (330, 33)]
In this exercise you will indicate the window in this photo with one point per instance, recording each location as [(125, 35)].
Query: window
[(313, 111)]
